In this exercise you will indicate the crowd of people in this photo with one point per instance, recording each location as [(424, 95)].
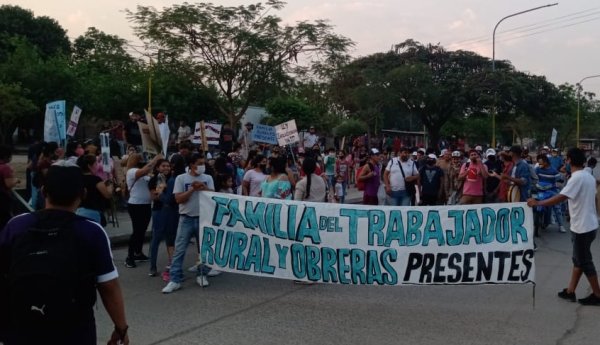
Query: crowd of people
[(162, 191)]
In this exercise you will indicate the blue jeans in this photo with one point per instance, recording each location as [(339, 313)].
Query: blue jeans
[(188, 227), (399, 198)]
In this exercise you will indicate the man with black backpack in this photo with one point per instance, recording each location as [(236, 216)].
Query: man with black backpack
[(51, 264)]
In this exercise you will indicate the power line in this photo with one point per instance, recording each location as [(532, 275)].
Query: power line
[(537, 25), (533, 33)]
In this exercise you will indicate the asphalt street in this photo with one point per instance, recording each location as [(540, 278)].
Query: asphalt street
[(239, 309)]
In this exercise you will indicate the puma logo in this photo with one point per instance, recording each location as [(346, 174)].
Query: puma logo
[(40, 310)]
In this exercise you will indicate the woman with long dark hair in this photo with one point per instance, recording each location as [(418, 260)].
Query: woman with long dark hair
[(311, 187), (277, 185), (98, 192)]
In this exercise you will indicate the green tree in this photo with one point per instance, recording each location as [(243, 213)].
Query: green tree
[(282, 109), (110, 81), (42, 32), (14, 107), (239, 51)]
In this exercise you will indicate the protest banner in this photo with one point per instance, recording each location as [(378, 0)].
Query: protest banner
[(264, 134), (55, 127), (212, 130), (165, 134), (287, 133), (361, 245), (74, 121)]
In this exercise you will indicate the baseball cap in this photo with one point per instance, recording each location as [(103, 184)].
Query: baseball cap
[(443, 152), (478, 148), (490, 152), (546, 147), (374, 151), (414, 153), (456, 154), (432, 156)]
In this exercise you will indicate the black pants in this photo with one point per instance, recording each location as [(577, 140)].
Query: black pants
[(140, 218), (582, 255)]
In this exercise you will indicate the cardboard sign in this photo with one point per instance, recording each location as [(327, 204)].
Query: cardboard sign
[(74, 121), (287, 133), (264, 134), (55, 128)]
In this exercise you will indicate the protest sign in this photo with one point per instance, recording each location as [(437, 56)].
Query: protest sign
[(150, 131), (105, 152), (212, 130), (553, 137), (74, 121), (55, 128), (165, 133), (287, 133), (357, 244), (264, 134)]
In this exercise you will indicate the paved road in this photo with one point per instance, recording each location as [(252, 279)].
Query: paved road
[(238, 309)]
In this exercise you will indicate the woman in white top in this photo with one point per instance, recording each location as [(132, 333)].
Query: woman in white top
[(255, 176), (311, 187), (138, 205)]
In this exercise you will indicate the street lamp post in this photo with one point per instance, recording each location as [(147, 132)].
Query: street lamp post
[(494, 60), (578, 101)]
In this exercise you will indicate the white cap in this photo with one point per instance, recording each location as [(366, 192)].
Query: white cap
[(456, 154), (490, 152), (414, 153), (432, 156), (478, 148), (443, 152)]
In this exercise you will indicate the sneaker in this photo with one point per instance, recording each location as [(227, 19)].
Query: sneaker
[(213, 273), (152, 273), (166, 276), (130, 263), (590, 300), (562, 229), (568, 296), (171, 287), (202, 281), (140, 257)]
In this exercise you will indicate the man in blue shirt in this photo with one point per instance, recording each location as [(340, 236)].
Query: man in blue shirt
[(520, 174), (555, 159), (91, 246)]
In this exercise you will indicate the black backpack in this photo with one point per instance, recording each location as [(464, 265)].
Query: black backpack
[(51, 282)]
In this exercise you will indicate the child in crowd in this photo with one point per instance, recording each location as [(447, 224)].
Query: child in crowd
[(340, 192)]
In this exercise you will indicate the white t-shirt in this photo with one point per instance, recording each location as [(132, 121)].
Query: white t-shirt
[(581, 191), (255, 178), (310, 140), (183, 183), (139, 194), (396, 179)]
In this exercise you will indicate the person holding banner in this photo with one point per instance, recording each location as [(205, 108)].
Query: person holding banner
[(580, 193), (186, 189), (253, 178), (370, 174), (277, 185)]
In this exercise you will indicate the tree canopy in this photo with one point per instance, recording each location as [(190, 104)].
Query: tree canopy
[(239, 51)]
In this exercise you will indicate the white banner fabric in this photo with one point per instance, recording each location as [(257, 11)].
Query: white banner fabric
[(366, 245)]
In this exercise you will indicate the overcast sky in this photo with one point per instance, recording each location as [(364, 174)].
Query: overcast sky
[(561, 42)]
